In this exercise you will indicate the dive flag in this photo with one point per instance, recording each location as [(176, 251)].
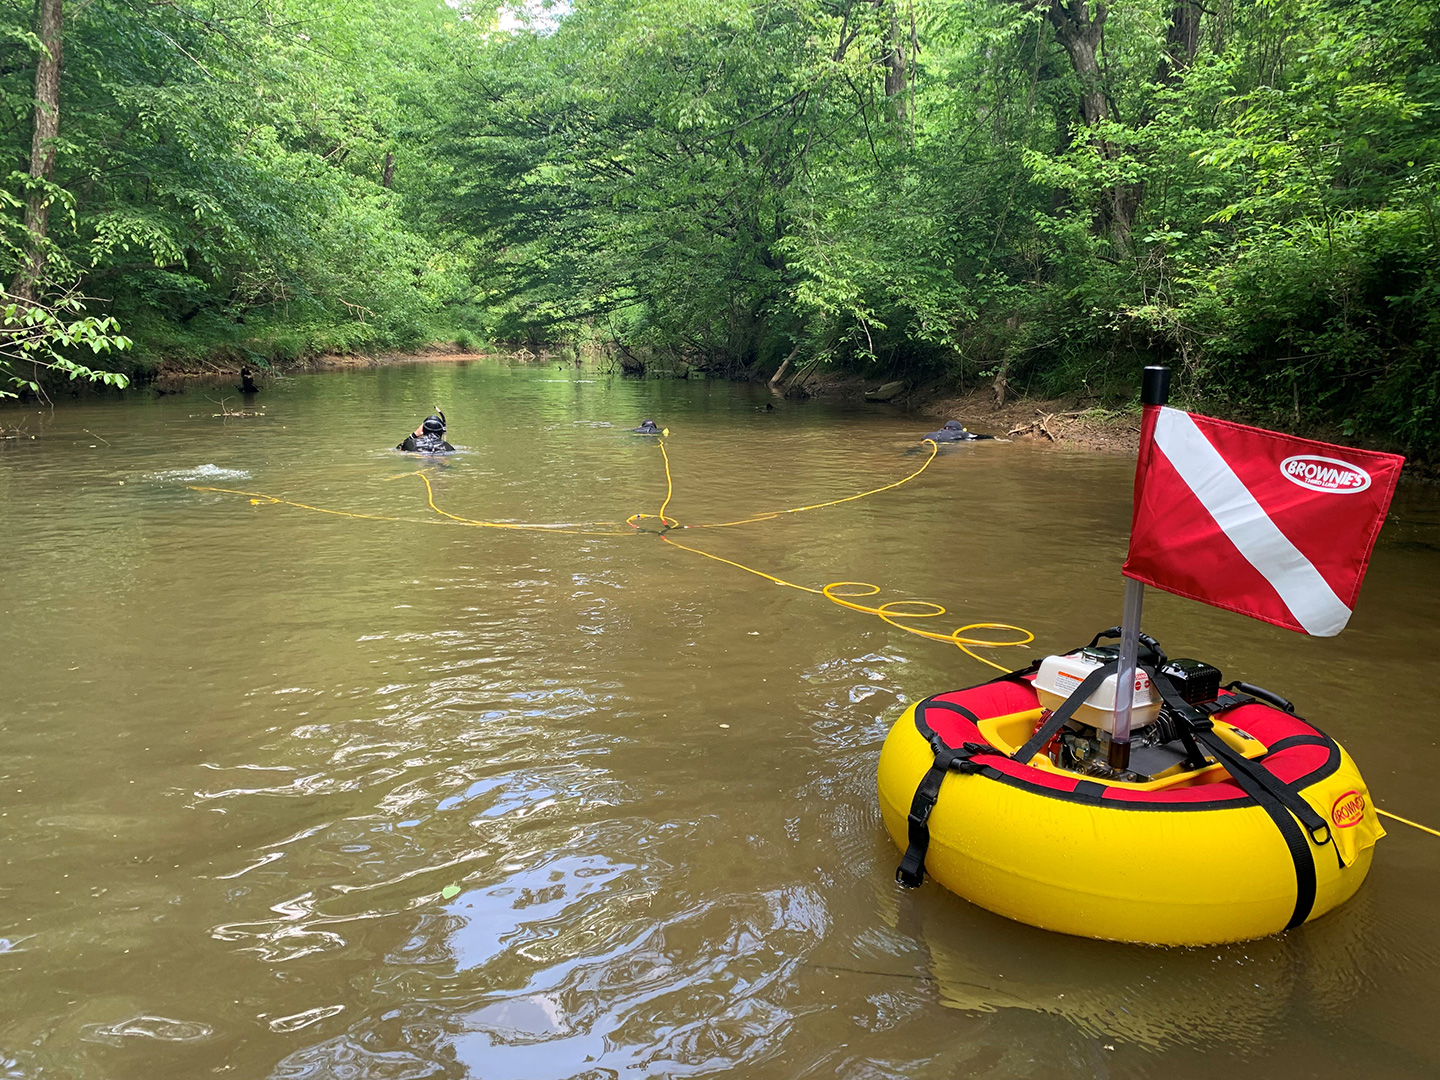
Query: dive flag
[(1271, 526)]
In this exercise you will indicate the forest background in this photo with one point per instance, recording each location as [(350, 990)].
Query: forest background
[(1030, 195)]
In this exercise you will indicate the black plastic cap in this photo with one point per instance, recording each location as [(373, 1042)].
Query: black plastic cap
[(1155, 386)]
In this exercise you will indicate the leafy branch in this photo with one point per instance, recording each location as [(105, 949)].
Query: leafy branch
[(38, 336)]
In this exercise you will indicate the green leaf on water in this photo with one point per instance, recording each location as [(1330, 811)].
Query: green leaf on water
[(449, 892)]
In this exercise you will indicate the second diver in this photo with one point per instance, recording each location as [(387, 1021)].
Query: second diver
[(428, 438)]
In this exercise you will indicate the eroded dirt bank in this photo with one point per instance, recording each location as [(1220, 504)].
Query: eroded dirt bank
[(1058, 422)]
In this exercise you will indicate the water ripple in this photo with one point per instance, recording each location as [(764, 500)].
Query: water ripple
[(159, 1028)]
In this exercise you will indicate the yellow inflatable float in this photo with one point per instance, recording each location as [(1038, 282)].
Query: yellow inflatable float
[(1235, 819)]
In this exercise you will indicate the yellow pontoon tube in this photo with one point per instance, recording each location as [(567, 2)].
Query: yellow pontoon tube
[(1265, 824)]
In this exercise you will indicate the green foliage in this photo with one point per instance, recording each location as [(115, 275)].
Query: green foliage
[(632, 167), (736, 181), (37, 337), (240, 176)]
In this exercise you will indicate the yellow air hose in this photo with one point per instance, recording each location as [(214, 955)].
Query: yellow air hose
[(258, 498), (773, 514), (558, 528), (887, 612), (1407, 821), (843, 593), (836, 592)]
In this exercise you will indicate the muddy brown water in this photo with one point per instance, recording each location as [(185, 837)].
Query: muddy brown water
[(294, 795)]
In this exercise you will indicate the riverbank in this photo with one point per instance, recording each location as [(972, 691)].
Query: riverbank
[(174, 373), (1061, 422), (1071, 422), (1065, 423), (1057, 422)]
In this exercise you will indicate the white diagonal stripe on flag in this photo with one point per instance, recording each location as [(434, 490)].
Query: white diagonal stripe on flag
[(1242, 519)]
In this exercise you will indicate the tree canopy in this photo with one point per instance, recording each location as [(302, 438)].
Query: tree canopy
[(236, 175), (1046, 194)]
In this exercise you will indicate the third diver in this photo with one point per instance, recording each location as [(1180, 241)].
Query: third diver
[(954, 431)]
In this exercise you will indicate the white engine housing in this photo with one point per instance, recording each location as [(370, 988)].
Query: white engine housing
[(1060, 675)]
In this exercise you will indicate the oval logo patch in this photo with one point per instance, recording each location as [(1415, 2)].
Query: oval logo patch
[(1324, 474), (1348, 810)]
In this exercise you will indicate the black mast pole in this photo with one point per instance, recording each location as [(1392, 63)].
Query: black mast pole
[(1154, 390)]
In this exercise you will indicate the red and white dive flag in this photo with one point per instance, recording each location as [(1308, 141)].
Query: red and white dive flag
[(1271, 526)]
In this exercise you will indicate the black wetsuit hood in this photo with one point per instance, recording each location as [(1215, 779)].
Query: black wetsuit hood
[(954, 431), (430, 439)]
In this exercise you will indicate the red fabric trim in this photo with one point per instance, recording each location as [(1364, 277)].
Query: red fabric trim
[(1010, 696)]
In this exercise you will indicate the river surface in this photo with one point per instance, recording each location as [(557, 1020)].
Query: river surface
[(298, 795)]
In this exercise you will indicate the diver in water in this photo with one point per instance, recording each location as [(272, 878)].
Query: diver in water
[(954, 431), (247, 382), (428, 438), (647, 427)]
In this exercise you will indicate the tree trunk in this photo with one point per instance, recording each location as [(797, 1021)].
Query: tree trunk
[(1182, 41), (1081, 35), (784, 366), (387, 174), (1002, 382), (896, 61), (42, 146)]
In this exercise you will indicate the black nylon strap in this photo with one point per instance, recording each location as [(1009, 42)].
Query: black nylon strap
[(1290, 832), (1277, 800), (911, 871), (1232, 700), (1194, 759), (1236, 763), (1300, 853), (1058, 718)]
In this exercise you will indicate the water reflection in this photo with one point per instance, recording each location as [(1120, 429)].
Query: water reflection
[(700, 989)]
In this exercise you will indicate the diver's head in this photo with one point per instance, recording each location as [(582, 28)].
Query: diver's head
[(433, 425), (647, 423), (954, 425)]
